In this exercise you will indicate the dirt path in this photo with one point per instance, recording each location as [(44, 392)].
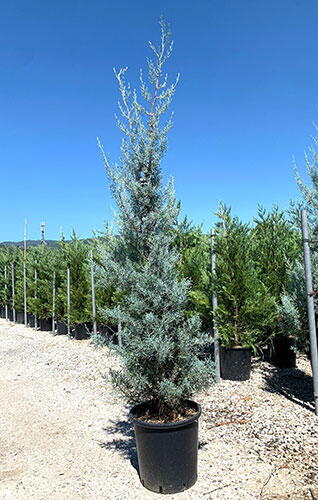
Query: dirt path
[(63, 433)]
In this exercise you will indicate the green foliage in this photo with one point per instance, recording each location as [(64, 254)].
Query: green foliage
[(74, 255), (160, 345), (195, 265), (245, 306), (276, 247), (42, 260)]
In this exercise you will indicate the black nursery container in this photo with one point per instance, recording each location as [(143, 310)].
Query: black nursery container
[(19, 317), (10, 314), (45, 324), (167, 453), (283, 355), (80, 331), (61, 328), (31, 320), (235, 363)]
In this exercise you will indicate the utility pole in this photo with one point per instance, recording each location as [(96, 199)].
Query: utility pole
[(42, 229), (93, 293), (214, 307), (310, 305)]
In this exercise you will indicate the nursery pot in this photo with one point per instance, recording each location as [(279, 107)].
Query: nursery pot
[(10, 314), (283, 355), (61, 328), (19, 317), (167, 453), (31, 320), (45, 324), (80, 332), (235, 363)]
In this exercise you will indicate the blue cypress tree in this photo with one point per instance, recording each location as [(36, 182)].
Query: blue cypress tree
[(159, 344)]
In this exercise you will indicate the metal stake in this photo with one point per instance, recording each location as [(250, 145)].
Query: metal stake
[(35, 296), (68, 302), (214, 306), (13, 293), (6, 289), (93, 294), (310, 306), (25, 295), (53, 304)]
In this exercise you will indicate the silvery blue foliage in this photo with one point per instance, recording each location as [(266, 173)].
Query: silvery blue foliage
[(293, 309), (159, 345)]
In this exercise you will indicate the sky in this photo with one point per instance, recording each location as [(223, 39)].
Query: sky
[(245, 105)]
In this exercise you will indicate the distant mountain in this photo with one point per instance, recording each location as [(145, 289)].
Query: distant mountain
[(30, 243), (36, 243)]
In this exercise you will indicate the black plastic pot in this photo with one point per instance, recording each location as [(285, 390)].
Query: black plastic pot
[(45, 324), (10, 314), (19, 317), (235, 363), (283, 355), (61, 328), (80, 331), (167, 453), (31, 320)]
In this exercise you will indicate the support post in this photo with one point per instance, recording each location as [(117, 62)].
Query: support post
[(13, 293), (6, 292), (310, 305), (93, 293), (25, 295), (53, 303), (214, 306), (35, 295), (24, 274), (68, 302)]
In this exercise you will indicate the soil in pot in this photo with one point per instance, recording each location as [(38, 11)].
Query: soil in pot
[(167, 452), (235, 363), (45, 324), (80, 331), (283, 355)]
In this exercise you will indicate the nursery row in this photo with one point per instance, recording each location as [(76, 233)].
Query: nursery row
[(258, 281)]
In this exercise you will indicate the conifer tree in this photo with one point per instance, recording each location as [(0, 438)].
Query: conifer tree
[(159, 351), (246, 309)]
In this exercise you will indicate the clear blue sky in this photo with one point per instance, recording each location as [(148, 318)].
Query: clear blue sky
[(245, 105)]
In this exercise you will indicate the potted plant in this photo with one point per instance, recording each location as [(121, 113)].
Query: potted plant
[(245, 306), (159, 371)]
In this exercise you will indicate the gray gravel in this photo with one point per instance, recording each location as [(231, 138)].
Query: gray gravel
[(64, 433)]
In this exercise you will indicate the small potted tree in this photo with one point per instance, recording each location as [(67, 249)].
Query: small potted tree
[(245, 306), (160, 368)]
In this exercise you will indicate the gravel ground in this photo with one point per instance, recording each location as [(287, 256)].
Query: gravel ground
[(64, 433)]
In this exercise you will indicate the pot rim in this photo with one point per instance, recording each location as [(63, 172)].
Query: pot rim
[(167, 425), (237, 348)]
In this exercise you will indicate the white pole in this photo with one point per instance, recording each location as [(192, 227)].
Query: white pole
[(68, 302), (214, 307), (24, 274), (13, 293), (53, 304), (310, 305), (35, 296), (93, 294), (6, 289)]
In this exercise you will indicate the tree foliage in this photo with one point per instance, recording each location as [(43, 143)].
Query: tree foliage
[(160, 345)]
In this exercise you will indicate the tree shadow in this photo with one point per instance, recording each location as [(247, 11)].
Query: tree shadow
[(293, 384), (124, 442)]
